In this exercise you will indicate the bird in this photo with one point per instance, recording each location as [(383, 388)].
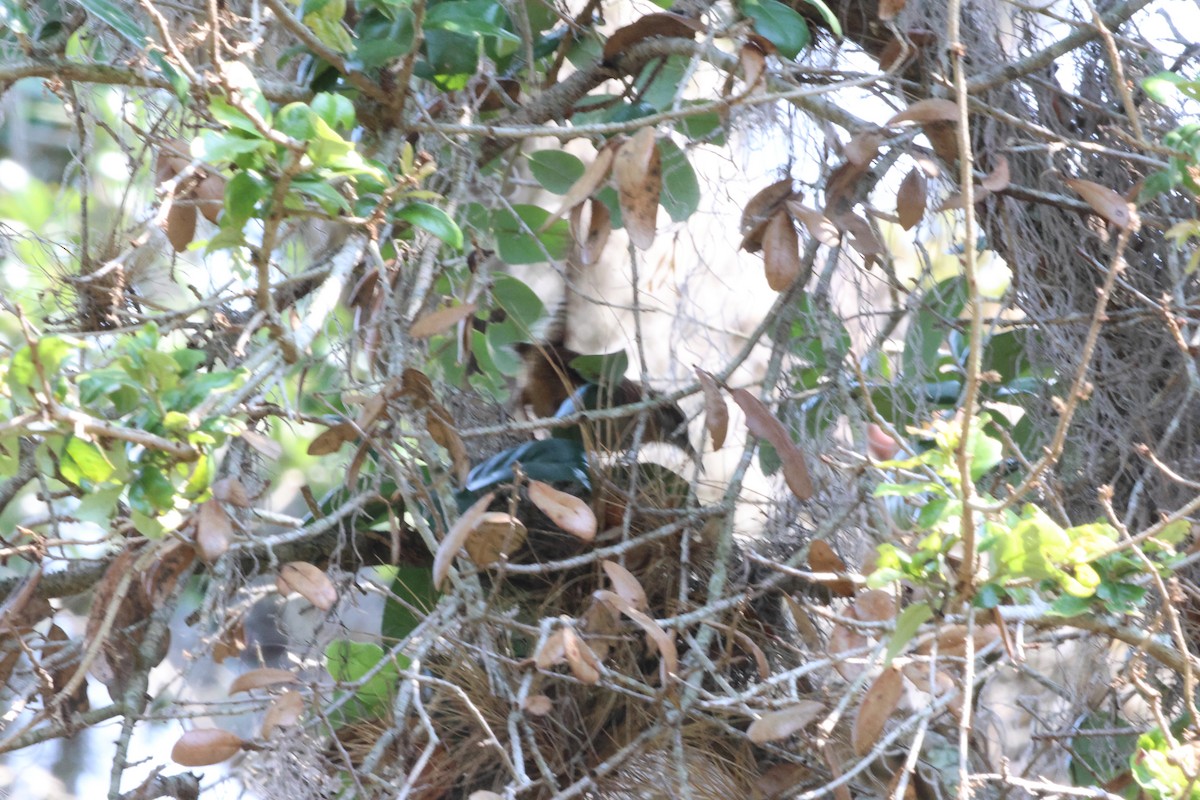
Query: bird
[(552, 385)]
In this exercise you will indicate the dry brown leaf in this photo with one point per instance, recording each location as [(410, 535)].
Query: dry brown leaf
[(862, 148), (552, 651), (763, 205), (781, 780), (441, 430), (880, 444), (875, 605), (580, 658), (57, 640), (566, 511), (497, 536), (283, 713), (1104, 201), (443, 319), (781, 252), (955, 201), (118, 656), (832, 761), (842, 642), (180, 225), (817, 224), (763, 424), (821, 558), (214, 531), (877, 705), (267, 447), (332, 439), (661, 23), (231, 491), (309, 581), (261, 678), (625, 585), (952, 640), (776, 725), (593, 178), (862, 235), (716, 412), (801, 618), (888, 9), (539, 705), (753, 62), (998, 179), (637, 168), (231, 643), (457, 536), (910, 199), (933, 109), (591, 224), (204, 746), (416, 388), (210, 197), (655, 635)]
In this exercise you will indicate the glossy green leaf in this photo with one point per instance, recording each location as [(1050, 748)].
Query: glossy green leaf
[(555, 170), (835, 26), (907, 624), (434, 220), (336, 110), (411, 598), (521, 304), (242, 194), (517, 239), (781, 25), (680, 194)]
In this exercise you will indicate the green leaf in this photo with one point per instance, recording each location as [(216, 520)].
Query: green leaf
[(324, 193), (298, 121), (517, 240), (116, 17), (336, 110), (555, 170), (907, 489), (907, 624), (781, 25), (703, 126), (93, 464), (607, 369), (98, 505), (680, 189), (411, 598), (349, 662), (434, 220), (521, 304), (826, 14), (927, 331), (1162, 87), (242, 194), (151, 493)]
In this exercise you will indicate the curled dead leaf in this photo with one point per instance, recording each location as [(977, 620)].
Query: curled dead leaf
[(625, 584), (776, 725), (214, 531), (497, 536), (817, 224), (655, 635), (539, 705), (821, 558), (932, 109), (997, 180), (332, 439), (880, 444), (952, 640), (204, 746), (261, 678), (911, 198), (875, 605), (862, 148), (637, 168), (284, 712), (457, 536), (180, 225), (753, 61), (591, 224), (552, 651), (566, 511), (580, 658), (842, 642), (210, 197), (443, 319), (593, 178), (716, 413), (763, 424), (309, 581), (781, 252), (1104, 201), (441, 430), (763, 205), (661, 23), (877, 705)]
